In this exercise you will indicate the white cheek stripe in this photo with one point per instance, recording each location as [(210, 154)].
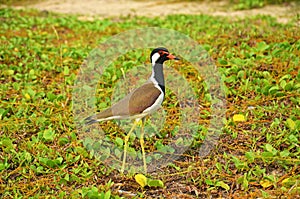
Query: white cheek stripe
[(154, 58)]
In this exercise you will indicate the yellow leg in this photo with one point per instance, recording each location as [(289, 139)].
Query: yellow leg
[(142, 146), (126, 145)]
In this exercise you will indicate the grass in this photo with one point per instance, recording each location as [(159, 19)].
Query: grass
[(41, 154), (250, 4)]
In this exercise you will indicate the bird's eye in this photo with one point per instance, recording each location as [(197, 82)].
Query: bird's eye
[(162, 53)]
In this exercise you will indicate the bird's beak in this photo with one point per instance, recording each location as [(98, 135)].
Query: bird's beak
[(170, 56)]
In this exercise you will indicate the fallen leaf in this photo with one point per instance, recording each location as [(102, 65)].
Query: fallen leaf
[(141, 179), (239, 118), (265, 183), (27, 96)]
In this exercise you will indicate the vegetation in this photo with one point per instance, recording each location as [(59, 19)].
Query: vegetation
[(249, 4), (41, 155)]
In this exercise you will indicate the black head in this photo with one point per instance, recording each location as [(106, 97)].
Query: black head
[(161, 54)]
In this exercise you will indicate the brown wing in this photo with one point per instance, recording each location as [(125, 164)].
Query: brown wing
[(134, 103), (143, 97), (137, 101)]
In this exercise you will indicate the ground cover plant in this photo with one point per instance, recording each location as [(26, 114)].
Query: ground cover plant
[(257, 154)]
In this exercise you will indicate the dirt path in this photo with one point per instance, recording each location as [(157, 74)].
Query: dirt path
[(116, 8)]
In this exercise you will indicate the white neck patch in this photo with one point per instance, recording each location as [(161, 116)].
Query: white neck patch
[(154, 58)]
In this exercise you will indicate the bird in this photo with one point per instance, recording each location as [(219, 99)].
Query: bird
[(139, 103)]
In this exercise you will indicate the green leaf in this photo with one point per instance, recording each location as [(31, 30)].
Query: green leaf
[(3, 112), (209, 182), (119, 141), (222, 62), (250, 156), (290, 124), (9, 72), (32, 74), (293, 139), (283, 84), (31, 92), (179, 141), (174, 166), (62, 141), (51, 96), (155, 183), (219, 166), (289, 86), (67, 177), (245, 181), (284, 153), (269, 148), (223, 185), (267, 155), (49, 134), (107, 195), (287, 76), (58, 160), (118, 153), (262, 46), (258, 171), (289, 182), (273, 89), (66, 70)]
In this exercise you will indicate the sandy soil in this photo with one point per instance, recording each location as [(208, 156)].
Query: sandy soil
[(116, 8)]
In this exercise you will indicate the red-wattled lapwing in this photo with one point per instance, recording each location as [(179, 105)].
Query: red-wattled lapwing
[(140, 102)]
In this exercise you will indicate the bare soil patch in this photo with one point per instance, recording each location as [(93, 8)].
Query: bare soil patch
[(117, 8)]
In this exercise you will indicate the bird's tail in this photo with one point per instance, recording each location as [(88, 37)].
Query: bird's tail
[(90, 120)]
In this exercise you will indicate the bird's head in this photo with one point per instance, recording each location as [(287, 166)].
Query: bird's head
[(159, 55)]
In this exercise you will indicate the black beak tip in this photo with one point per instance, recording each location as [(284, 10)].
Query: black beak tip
[(176, 58)]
